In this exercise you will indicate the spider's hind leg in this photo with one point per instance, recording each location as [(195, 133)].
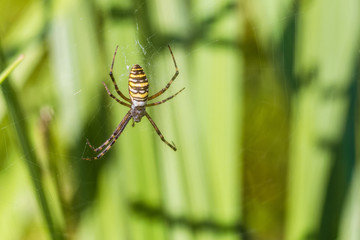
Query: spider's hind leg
[(113, 79), (165, 100), (171, 81)]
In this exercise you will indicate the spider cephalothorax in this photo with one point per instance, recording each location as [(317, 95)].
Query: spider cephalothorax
[(138, 92), (137, 112)]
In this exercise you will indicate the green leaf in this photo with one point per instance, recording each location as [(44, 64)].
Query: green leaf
[(10, 68)]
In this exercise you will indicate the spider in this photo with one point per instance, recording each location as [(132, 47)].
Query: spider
[(138, 91)]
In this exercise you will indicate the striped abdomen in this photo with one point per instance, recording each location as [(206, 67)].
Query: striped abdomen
[(138, 86)]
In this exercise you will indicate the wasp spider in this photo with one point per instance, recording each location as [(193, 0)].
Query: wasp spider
[(138, 91)]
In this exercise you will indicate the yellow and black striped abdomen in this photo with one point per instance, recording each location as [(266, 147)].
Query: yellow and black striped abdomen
[(138, 86)]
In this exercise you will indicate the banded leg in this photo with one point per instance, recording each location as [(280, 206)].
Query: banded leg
[(160, 102), (98, 149), (171, 81), (113, 137), (113, 79), (111, 95), (159, 133)]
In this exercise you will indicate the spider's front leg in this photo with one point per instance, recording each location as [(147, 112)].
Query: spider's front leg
[(112, 139), (159, 133)]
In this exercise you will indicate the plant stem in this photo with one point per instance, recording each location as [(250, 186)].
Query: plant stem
[(10, 68), (33, 166)]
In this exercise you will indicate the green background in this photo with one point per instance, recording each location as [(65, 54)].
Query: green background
[(266, 128)]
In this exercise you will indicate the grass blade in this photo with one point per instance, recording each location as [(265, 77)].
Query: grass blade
[(10, 68), (16, 113)]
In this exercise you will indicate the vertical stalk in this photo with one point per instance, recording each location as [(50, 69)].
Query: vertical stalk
[(17, 116)]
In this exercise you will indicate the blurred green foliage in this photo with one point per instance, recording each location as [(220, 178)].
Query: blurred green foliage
[(266, 129)]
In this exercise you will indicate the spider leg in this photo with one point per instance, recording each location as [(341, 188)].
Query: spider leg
[(169, 83), (113, 137), (111, 95), (113, 79), (106, 142), (159, 133), (160, 102)]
